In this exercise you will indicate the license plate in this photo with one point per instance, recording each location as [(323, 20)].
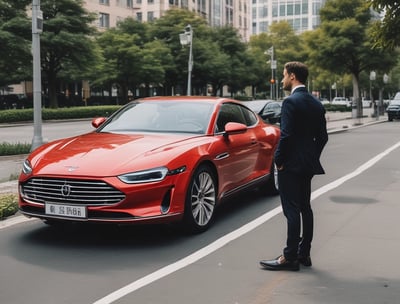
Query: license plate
[(66, 210)]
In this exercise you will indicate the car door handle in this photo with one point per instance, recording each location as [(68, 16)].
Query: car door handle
[(253, 141)]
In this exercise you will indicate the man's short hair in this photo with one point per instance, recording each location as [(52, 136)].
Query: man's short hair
[(300, 70)]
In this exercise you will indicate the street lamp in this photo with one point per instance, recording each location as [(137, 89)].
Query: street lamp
[(270, 52), (37, 28), (185, 39)]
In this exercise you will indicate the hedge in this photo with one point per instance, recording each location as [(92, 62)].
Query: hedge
[(24, 115)]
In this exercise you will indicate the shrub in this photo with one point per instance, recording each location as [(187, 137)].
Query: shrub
[(8, 205), (14, 149), (23, 115)]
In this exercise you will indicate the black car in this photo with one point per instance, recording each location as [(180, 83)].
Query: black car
[(269, 110), (393, 110)]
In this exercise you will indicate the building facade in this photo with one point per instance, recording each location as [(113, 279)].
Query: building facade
[(250, 17), (302, 15), (216, 12)]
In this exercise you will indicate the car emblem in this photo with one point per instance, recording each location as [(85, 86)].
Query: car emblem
[(71, 168), (66, 190)]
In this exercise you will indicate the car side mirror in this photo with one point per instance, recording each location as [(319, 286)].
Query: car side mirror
[(235, 128), (98, 121)]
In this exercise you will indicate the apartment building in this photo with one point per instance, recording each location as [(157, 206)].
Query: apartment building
[(216, 12), (250, 17), (302, 15)]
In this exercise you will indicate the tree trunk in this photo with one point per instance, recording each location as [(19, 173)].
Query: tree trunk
[(52, 92), (356, 104)]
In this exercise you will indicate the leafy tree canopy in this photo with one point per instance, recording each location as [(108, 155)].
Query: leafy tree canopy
[(386, 32), (15, 33)]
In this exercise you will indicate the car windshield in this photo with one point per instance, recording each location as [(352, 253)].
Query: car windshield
[(395, 102), (161, 116)]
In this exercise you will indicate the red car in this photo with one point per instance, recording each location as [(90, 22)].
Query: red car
[(158, 159)]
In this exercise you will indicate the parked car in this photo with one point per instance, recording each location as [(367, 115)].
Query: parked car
[(15, 101), (341, 101), (324, 101), (366, 103), (160, 159), (393, 110), (269, 110)]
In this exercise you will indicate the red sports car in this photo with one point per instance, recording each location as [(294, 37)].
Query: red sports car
[(158, 159)]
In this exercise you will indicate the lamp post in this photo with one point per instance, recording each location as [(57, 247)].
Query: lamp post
[(270, 52), (372, 77), (37, 28), (185, 39)]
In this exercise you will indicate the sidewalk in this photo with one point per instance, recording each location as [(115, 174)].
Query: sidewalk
[(336, 122)]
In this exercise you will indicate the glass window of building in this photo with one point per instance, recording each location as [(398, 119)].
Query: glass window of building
[(304, 24), (263, 12), (275, 10), (297, 9), (104, 2), (304, 7), (290, 10), (150, 16), (263, 26), (104, 20)]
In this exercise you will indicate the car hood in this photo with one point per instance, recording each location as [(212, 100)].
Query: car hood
[(106, 154), (393, 107)]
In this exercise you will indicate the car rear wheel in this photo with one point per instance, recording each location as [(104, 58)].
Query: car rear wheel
[(201, 200), (271, 187)]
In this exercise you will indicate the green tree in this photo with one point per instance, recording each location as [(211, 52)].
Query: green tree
[(65, 42), (229, 42), (287, 47), (131, 58), (342, 44), (386, 32), (15, 36), (167, 29)]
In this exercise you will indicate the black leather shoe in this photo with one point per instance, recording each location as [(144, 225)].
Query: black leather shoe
[(280, 263), (305, 261)]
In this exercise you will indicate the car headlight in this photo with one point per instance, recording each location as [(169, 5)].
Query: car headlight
[(26, 167), (145, 176)]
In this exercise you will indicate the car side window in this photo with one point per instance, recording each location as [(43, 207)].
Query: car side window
[(230, 112), (251, 118)]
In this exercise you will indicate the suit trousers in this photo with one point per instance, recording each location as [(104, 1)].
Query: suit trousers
[(295, 193)]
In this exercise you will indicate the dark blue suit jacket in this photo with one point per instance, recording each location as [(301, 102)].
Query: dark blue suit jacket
[(303, 134)]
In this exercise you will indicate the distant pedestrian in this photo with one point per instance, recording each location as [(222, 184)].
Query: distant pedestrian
[(303, 137)]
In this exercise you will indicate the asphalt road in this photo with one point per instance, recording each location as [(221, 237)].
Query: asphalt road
[(354, 253)]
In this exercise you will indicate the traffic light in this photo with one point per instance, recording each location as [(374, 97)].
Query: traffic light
[(272, 81)]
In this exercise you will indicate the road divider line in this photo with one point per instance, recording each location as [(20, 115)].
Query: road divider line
[(222, 241)]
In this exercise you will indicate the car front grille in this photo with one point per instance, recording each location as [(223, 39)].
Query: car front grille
[(70, 191)]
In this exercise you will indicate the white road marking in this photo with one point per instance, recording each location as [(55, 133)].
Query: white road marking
[(201, 253)]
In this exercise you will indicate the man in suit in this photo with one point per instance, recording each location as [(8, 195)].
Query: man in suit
[(303, 137)]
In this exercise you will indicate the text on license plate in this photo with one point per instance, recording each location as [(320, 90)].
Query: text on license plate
[(66, 210)]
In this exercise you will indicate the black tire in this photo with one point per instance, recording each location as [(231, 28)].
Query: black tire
[(272, 185), (390, 118), (201, 200)]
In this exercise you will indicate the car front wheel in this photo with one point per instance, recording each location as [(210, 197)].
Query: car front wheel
[(201, 200)]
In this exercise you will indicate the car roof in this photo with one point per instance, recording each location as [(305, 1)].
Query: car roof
[(209, 99)]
